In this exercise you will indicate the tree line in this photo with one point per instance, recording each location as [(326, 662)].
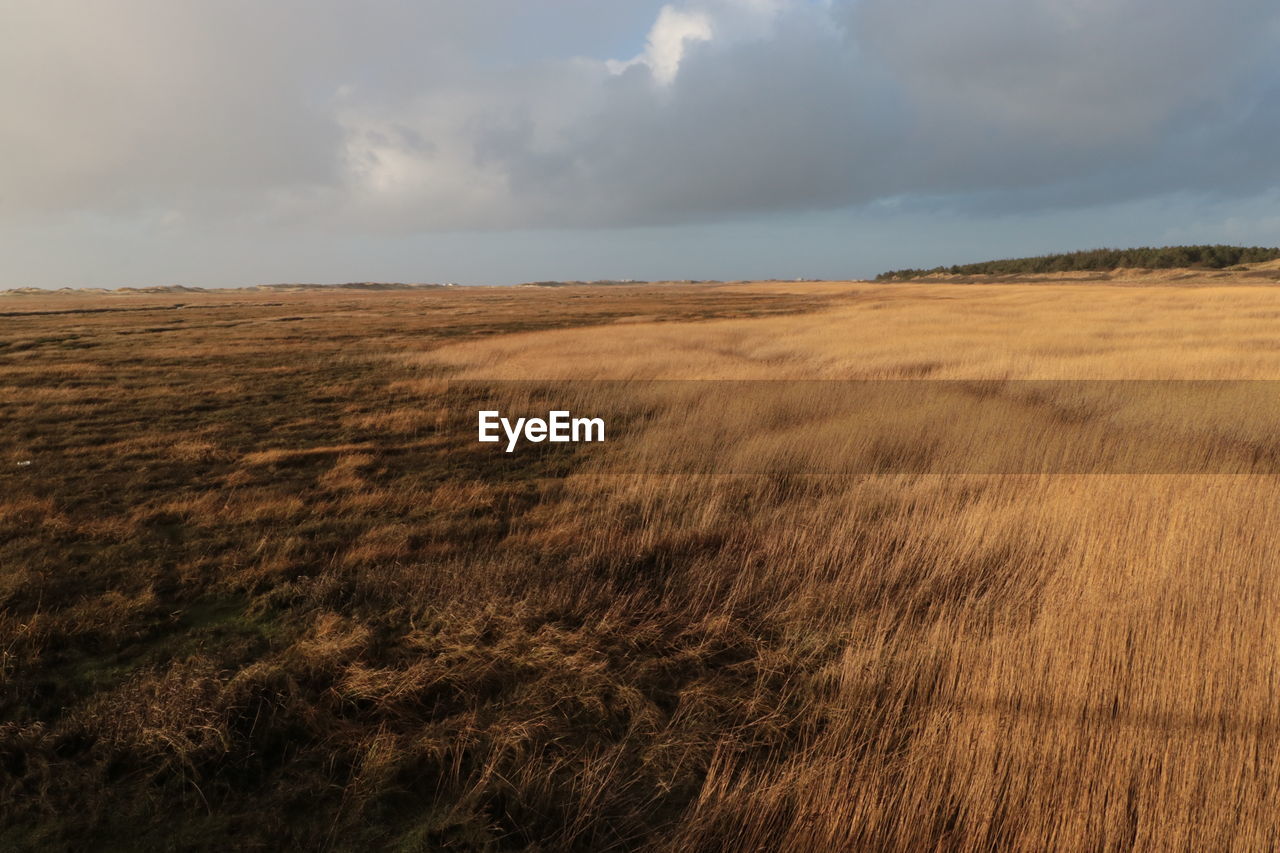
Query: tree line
[(1093, 260)]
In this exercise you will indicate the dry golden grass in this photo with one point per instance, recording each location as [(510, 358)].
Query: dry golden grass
[(913, 331), (254, 595), (1069, 662)]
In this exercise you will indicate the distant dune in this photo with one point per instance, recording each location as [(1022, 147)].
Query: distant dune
[(182, 288)]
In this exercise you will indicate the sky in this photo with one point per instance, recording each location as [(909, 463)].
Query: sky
[(239, 142)]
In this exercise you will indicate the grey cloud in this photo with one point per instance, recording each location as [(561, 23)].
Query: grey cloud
[(394, 117), (1011, 104), (1083, 71), (218, 105)]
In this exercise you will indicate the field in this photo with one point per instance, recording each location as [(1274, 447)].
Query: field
[(255, 594)]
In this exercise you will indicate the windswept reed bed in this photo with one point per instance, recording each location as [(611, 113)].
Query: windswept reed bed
[(255, 592)]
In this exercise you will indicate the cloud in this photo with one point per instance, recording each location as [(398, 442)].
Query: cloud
[(1087, 72), (666, 44), (397, 117)]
